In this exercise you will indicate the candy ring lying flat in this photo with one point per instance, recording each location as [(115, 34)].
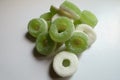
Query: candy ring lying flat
[(61, 29), (65, 64), (89, 31)]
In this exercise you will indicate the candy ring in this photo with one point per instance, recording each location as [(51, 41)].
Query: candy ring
[(37, 26), (89, 18), (89, 31), (77, 43), (65, 63), (44, 44), (61, 29), (70, 10)]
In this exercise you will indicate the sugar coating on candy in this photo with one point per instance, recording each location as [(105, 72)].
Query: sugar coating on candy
[(44, 44), (64, 28), (77, 43), (70, 9), (55, 17), (47, 16), (71, 64), (53, 10), (37, 26), (61, 29), (89, 31), (89, 18)]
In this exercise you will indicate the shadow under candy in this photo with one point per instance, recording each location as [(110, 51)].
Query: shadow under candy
[(29, 37), (38, 55), (54, 75)]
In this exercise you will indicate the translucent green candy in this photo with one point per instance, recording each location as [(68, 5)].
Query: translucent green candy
[(53, 10), (69, 9), (89, 18), (77, 43), (44, 44), (37, 26), (61, 29)]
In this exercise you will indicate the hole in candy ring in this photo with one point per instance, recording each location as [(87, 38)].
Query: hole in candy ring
[(66, 62)]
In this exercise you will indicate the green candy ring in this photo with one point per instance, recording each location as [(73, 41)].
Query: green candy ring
[(70, 10), (53, 9), (89, 18), (61, 29), (89, 31), (37, 26), (47, 16), (77, 43), (44, 44)]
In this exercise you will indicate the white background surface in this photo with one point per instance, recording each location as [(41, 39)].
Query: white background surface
[(17, 60)]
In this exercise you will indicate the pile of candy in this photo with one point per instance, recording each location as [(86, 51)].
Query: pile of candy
[(64, 25)]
